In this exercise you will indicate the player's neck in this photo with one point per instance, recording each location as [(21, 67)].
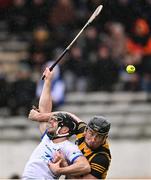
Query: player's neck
[(58, 140)]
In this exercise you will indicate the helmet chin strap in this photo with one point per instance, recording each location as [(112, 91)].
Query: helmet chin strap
[(61, 135), (56, 135)]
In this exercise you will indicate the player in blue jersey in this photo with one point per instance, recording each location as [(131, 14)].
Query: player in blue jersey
[(55, 141)]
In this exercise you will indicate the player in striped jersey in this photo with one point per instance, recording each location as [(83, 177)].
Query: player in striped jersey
[(92, 141)]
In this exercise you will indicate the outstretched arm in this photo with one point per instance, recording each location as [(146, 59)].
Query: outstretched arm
[(45, 102), (43, 117)]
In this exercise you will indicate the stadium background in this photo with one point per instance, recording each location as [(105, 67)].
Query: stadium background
[(91, 79)]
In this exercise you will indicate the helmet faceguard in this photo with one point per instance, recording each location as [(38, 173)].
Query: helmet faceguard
[(63, 119), (100, 125)]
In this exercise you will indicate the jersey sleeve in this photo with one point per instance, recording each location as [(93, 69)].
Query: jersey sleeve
[(42, 136), (72, 152), (99, 165)]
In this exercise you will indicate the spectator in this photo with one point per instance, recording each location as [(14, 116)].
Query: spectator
[(146, 13), (140, 43), (140, 39), (22, 92), (40, 48), (91, 42), (128, 15), (5, 3), (18, 17), (36, 60), (131, 82), (41, 40), (3, 91), (61, 20), (76, 71), (4, 6), (67, 16), (104, 72), (39, 12), (146, 75), (117, 40)]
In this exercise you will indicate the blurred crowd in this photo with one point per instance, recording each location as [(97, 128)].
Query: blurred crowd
[(119, 36)]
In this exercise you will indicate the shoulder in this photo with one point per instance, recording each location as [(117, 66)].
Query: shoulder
[(100, 159), (71, 151), (99, 163), (70, 148), (68, 145), (44, 135)]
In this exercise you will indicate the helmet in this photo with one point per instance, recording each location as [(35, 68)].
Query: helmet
[(100, 125), (64, 119)]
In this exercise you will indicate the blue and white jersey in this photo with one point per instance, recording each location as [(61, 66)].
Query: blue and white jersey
[(37, 166)]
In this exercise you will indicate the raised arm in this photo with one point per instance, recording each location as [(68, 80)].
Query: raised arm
[(45, 102), (43, 112)]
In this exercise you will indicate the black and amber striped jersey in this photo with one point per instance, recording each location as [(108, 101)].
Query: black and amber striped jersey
[(99, 158)]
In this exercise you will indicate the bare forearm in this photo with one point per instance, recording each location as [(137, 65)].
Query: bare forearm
[(42, 117), (75, 170), (39, 117), (45, 102), (72, 115)]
